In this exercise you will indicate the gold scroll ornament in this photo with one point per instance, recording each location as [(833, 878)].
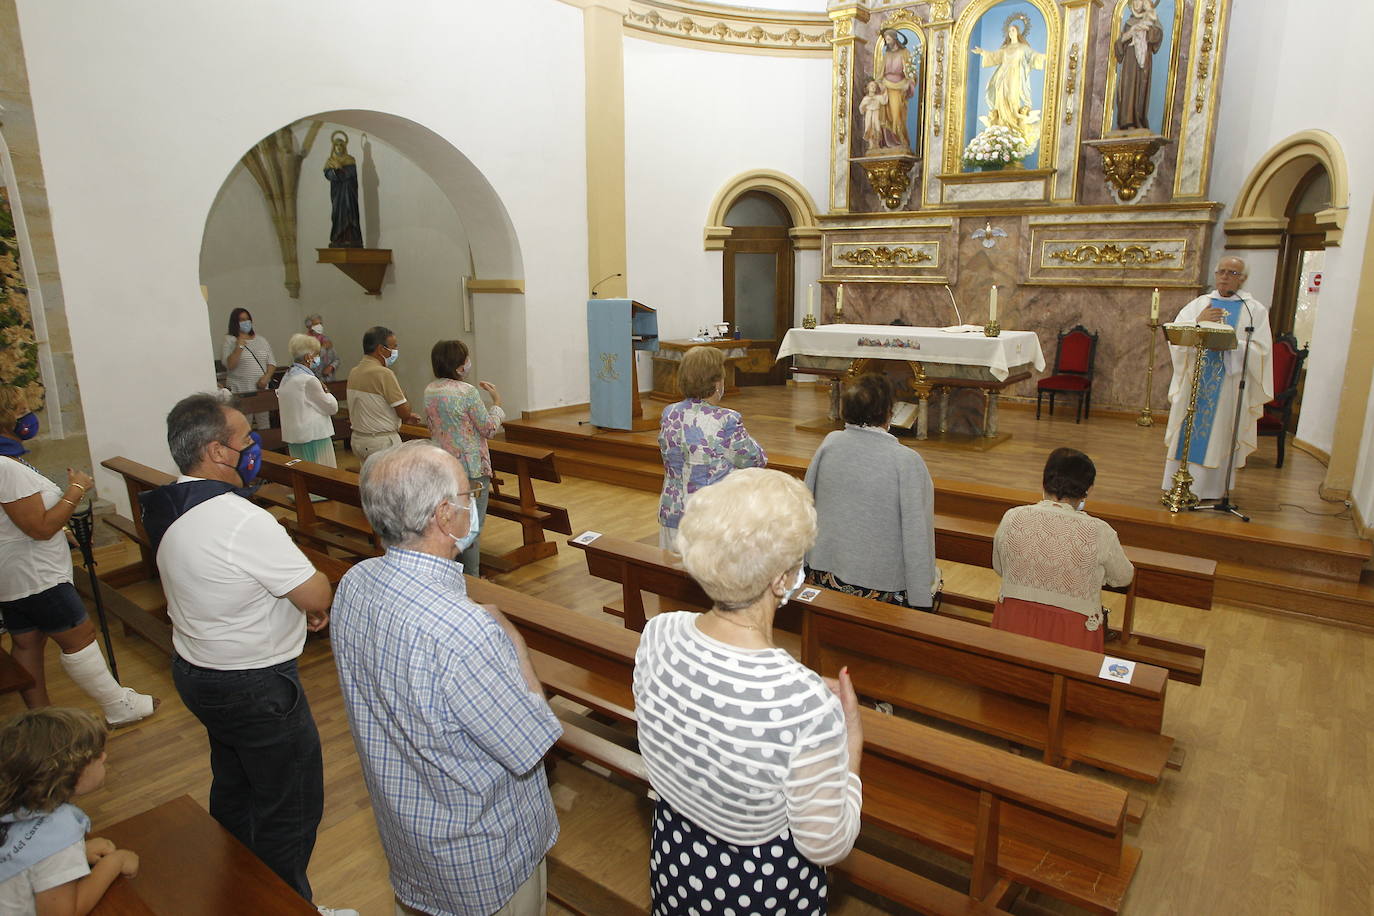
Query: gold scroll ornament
[(882, 256), (1109, 253)]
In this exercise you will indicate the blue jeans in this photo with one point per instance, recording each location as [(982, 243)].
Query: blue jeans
[(472, 557), (267, 786)]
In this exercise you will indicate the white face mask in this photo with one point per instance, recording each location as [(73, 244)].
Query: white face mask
[(467, 367), (474, 525), (317, 328), (796, 584)]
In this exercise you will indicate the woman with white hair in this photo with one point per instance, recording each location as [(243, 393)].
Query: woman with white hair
[(754, 757), (329, 360), (306, 407)]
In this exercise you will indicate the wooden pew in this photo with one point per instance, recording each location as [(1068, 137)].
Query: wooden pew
[(1159, 576), (528, 464), (1014, 687), (191, 866), (1017, 821), (339, 522)]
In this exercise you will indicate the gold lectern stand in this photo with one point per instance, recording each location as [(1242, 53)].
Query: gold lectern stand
[(1201, 337)]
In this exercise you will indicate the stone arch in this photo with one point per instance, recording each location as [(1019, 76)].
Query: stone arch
[(1261, 207), (805, 231)]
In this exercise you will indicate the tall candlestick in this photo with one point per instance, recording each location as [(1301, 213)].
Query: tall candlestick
[(992, 305), (1154, 306), (839, 299), (811, 300)]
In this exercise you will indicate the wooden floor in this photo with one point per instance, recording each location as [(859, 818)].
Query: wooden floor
[(1129, 458), (1270, 814)]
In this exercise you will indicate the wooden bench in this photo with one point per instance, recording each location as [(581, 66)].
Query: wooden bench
[(191, 866), (1017, 821), (1014, 687), (1159, 576), (528, 463)]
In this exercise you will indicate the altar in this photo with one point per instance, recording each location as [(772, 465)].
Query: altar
[(928, 360)]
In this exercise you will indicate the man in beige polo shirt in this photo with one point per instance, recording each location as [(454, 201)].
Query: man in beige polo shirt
[(376, 404)]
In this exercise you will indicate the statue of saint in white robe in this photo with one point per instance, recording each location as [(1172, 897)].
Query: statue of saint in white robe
[(1218, 395)]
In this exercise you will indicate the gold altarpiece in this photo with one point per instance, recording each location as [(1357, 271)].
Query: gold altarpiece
[(1121, 98)]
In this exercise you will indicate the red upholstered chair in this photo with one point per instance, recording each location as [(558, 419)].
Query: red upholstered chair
[(1073, 371), (1278, 413)]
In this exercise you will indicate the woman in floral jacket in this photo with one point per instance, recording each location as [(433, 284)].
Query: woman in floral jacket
[(700, 441)]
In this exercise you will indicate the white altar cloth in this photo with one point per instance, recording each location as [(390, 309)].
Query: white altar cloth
[(926, 345)]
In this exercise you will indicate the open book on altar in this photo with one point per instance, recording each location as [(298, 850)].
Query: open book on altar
[(903, 415), (963, 329)]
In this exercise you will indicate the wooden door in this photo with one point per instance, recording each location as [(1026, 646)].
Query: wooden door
[(757, 293)]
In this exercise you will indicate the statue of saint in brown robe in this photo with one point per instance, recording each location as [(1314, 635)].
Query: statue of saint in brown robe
[(1135, 49)]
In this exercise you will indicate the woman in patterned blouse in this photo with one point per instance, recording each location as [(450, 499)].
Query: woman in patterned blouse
[(462, 424), (700, 441), (1054, 559)]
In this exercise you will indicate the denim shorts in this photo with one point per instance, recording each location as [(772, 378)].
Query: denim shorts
[(53, 610)]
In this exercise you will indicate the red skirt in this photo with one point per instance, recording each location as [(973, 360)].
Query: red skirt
[(1045, 621)]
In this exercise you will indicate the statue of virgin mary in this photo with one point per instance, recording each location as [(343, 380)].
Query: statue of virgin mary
[(1009, 89)]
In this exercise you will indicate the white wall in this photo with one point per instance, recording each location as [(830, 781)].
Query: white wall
[(694, 120), (143, 109), (241, 265), (1289, 67)]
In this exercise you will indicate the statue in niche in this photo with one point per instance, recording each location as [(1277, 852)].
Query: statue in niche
[(1135, 49), (871, 108), (898, 80), (341, 169), (1009, 90)]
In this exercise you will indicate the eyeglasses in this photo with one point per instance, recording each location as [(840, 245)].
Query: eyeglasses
[(1227, 272), (475, 492)]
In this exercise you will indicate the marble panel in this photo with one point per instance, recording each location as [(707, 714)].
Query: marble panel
[(1010, 191), (1071, 104)]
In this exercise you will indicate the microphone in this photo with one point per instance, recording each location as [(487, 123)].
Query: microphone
[(957, 316), (603, 280)]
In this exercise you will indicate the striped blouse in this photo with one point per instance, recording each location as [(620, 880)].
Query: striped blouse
[(745, 743)]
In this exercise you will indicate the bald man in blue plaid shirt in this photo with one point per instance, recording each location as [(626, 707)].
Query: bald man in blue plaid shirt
[(447, 713)]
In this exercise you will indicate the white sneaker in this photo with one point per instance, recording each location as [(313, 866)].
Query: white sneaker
[(336, 911), (132, 707)]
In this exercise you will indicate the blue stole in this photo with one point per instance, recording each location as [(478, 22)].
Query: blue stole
[(32, 837), (1213, 376)]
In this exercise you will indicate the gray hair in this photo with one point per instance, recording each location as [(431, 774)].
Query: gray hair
[(301, 346), (314, 318), (1244, 268), (192, 425), (403, 486)]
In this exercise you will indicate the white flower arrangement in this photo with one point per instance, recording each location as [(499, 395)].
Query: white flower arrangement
[(997, 146)]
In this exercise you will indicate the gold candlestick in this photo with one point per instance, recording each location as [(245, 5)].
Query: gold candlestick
[(1146, 417), (1181, 495), (992, 329), (808, 321)]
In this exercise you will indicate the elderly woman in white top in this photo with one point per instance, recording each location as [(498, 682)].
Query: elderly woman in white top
[(306, 407), (1054, 559), (754, 757)]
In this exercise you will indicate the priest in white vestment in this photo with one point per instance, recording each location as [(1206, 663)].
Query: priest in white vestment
[(1220, 385)]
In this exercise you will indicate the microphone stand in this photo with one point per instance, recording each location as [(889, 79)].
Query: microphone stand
[(1226, 505), (82, 524)]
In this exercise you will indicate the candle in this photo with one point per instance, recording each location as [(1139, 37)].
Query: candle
[(1154, 306), (811, 300), (839, 299), (992, 305)]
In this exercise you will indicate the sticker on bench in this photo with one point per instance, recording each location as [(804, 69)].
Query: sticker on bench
[(808, 594), (294, 461), (586, 537), (1117, 669)]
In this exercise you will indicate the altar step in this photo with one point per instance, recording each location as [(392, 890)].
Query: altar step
[(1258, 566)]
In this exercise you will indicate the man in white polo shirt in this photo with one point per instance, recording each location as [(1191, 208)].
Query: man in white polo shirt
[(241, 596), (376, 404)]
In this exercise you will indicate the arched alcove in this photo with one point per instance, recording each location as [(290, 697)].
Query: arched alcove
[(805, 231), (1260, 214), (456, 267)]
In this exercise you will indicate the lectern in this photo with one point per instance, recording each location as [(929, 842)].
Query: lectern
[(616, 328), (1204, 336)]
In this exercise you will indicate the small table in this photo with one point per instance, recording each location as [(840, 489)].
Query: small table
[(670, 353), (191, 866)]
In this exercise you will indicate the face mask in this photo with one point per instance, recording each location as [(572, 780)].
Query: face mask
[(1081, 502), (26, 427), (317, 328), (474, 526), (467, 367), (250, 459), (245, 327), (801, 577), (391, 360), (315, 361)]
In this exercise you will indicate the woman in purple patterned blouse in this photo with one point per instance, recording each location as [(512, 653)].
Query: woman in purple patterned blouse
[(462, 424), (700, 441)]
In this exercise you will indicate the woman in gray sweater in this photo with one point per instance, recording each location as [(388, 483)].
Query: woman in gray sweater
[(875, 506)]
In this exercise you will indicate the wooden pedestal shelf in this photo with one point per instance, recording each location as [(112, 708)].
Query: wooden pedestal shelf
[(365, 266)]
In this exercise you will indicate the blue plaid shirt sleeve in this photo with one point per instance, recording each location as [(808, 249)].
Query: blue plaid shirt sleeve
[(493, 703)]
